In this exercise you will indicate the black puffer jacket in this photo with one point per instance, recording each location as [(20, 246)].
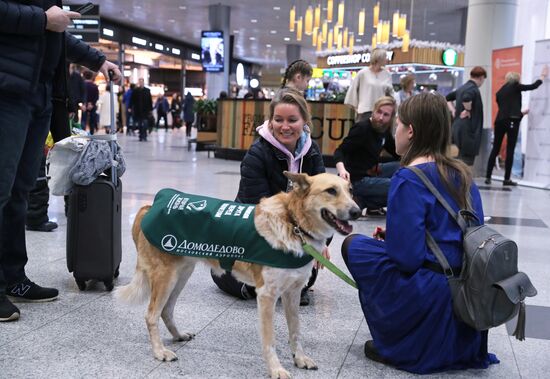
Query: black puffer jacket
[(22, 44), (262, 170)]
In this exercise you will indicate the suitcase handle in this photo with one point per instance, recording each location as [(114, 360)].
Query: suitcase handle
[(114, 177)]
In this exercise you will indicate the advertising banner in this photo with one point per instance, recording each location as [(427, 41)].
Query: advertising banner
[(537, 155), (504, 61)]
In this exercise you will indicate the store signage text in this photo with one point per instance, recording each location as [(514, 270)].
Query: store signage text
[(333, 60)]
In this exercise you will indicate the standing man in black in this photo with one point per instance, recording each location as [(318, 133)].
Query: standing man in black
[(508, 119), (77, 91), (468, 116), (141, 106), (33, 91)]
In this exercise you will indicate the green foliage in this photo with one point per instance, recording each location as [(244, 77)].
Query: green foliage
[(206, 107)]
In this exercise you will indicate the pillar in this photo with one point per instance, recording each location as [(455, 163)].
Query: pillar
[(491, 25), (219, 17), (292, 53)]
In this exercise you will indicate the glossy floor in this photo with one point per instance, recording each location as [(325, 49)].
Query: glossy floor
[(87, 334)]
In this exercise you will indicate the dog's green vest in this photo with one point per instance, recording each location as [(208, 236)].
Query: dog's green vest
[(182, 224)]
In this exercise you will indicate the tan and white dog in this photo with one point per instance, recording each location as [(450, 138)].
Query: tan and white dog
[(318, 205)]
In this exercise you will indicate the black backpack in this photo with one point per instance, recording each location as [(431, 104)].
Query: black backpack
[(489, 290)]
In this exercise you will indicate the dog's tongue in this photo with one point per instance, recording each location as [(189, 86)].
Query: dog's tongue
[(344, 226)]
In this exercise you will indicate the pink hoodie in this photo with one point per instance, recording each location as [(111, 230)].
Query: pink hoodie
[(294, 162)]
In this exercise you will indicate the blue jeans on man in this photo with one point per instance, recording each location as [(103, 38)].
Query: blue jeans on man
[(372, 191), (24, 126)]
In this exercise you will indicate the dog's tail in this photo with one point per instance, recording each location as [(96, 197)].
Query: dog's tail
[(138, 290)]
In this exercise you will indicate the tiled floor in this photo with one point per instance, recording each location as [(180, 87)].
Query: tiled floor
[(88, 335)]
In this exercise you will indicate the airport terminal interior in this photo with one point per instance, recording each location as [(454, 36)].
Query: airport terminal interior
[(222, 62)]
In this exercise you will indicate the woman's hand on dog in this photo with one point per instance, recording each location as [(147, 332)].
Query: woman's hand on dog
[(326, 254), (379, 233)]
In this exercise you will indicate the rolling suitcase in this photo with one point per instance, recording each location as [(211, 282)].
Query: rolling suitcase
[(94, 246)]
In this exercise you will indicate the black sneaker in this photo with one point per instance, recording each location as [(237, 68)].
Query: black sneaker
[(45, 227), (487, 180), (29, 292), (8, 311), (304, 297), (509, 183)]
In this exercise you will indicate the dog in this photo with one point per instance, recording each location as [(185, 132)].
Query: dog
[(314, 208)]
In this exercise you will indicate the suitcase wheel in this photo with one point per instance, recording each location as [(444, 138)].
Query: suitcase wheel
[(81, 284), (117, 271), (109, 285)]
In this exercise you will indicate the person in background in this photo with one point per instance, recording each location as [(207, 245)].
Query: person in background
[(358, 158), (162, 107), (297, 75), (405, 295), (89, 114), (188, 113), (77, 92), (407, 88), (104, 103), (34, 51), (284, 144), (222, 95), (175, 110), (370, 84), (141, 106), (468, 115), (508, 120), (127, 100)]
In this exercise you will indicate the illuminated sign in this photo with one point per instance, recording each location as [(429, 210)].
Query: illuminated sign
[(240, 74), (449, 57), (333, 60)]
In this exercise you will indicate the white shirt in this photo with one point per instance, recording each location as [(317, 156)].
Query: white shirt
[(367, 87)]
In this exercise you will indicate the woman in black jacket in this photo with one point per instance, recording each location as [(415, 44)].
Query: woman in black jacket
[(285, 144), (507, 121)]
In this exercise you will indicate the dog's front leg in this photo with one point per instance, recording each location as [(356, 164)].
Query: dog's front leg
[(291, 304), (266, 309)]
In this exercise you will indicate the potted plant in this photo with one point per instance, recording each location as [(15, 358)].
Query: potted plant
[(206, 114)]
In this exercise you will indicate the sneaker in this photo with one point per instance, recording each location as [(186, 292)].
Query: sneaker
[(509, 183), (376, 212), (304, 297), (487, 180), (45, 227), (30, 292), (8, 311)]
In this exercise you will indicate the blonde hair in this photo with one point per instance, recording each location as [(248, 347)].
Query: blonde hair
[(378, 56), (512, 77), (406, 81), (386, 100), (288, 95)]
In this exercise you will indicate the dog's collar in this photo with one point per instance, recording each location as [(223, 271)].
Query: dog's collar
[(299, 231)]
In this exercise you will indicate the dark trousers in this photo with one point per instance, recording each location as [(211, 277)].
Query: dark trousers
[(24, 125), (188, 125), (372, 191), (510, 128), (90, 116), (141, 124), (163, 116), (37, 207)]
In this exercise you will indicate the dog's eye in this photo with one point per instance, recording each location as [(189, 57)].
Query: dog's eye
[(332, 191)]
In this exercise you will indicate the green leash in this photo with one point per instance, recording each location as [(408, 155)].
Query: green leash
[(325, 262), (328, 264)]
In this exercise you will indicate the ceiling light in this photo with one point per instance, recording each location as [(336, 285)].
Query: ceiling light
[(287, 39), (253, 21), (182, 7), (235, 31), (268, 45), (432, 34), (431, 22), (276, 8), (273, 32), (252, 38), (171, 20)]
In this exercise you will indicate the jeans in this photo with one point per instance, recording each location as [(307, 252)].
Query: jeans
[(372, 191), (24, 126)]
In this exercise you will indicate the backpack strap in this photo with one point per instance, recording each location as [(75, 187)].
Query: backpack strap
[(457, 216), (434, 247)]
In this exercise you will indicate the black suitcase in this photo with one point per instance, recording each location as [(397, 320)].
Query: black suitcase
[(94, 246)]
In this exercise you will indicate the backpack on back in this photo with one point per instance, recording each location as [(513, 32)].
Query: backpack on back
[(489, 290)]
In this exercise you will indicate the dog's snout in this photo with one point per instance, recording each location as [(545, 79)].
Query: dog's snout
[(355, 213)]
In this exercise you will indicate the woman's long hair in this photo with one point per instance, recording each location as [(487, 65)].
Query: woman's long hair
[(430, 119), (297, 67)]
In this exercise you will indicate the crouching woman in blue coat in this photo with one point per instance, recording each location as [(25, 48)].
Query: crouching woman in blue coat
[(404, 294)]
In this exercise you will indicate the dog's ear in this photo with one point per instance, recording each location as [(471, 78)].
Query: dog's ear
[(299, 181)]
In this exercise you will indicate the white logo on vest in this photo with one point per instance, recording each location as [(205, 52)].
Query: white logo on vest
[(169, 242), (197, 205)]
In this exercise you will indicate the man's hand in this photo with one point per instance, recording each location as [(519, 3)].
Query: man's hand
[(104, 69), (57, 19), (342, 172), (465, 114)]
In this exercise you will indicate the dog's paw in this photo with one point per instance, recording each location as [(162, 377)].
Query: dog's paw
[(166, 355), (280, 373), (184, 337), (305, 362)]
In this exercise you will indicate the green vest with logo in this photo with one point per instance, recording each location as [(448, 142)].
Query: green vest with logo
[(198, 226)]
